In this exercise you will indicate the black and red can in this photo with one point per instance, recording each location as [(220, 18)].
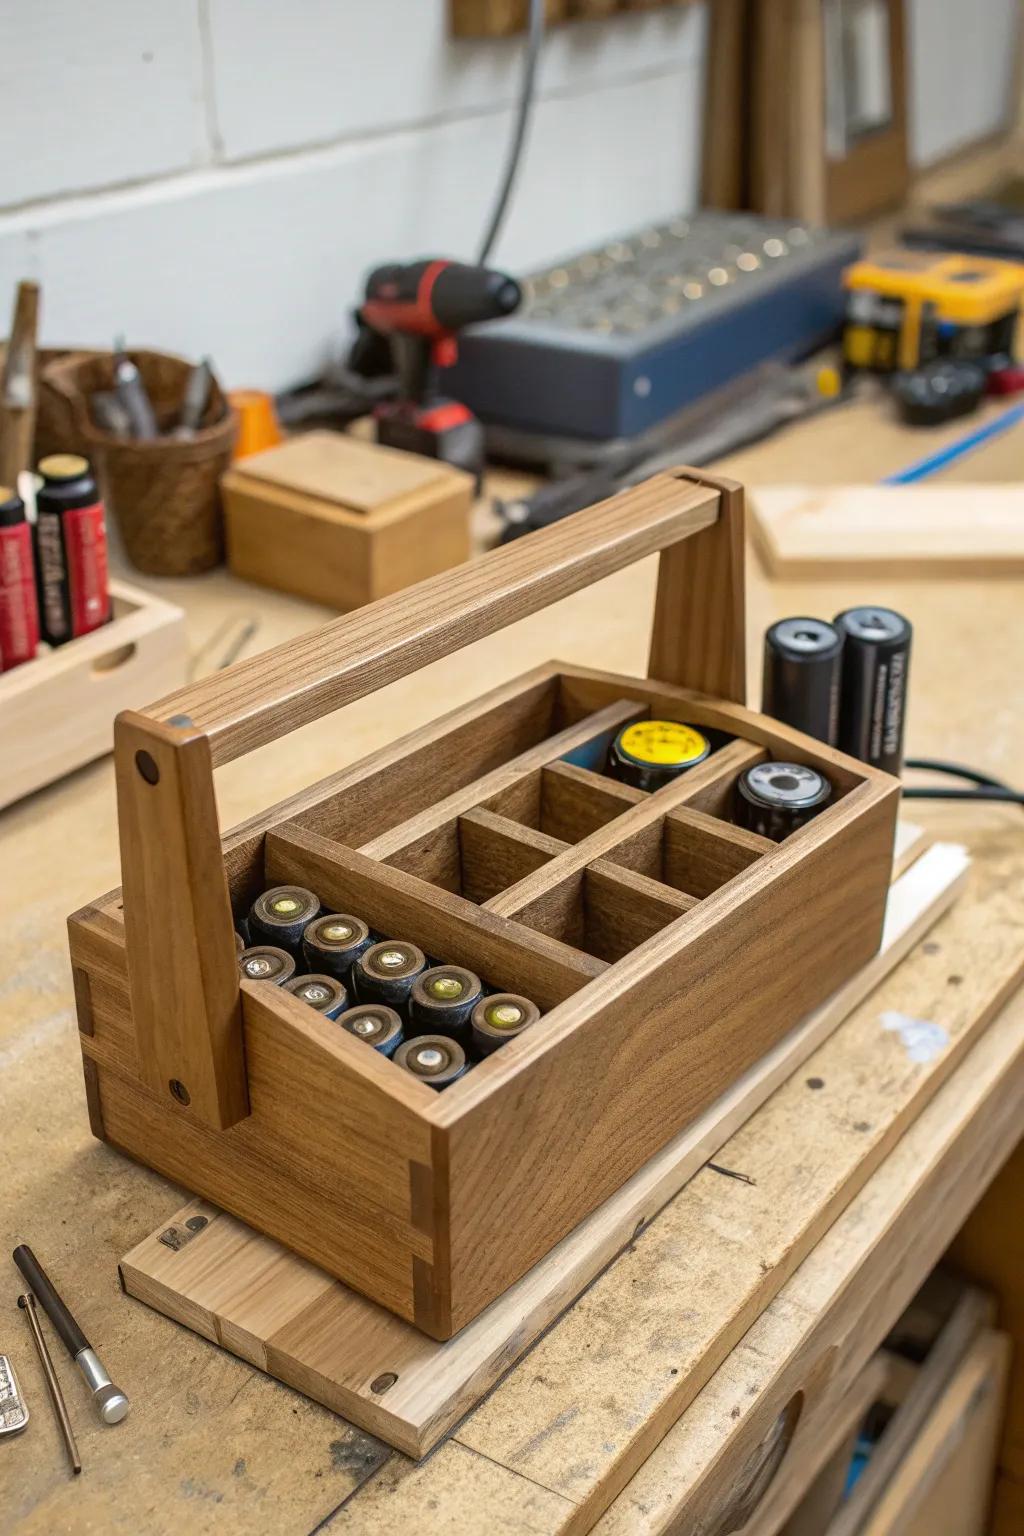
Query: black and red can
[(19, 612), (71, 550)]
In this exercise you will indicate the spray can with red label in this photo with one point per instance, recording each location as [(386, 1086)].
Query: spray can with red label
[(19, 615), (71, 550)]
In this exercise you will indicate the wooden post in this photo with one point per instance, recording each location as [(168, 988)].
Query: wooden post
[(182, 964), (699, 635)]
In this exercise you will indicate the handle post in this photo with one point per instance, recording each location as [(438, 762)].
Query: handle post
[(699, 635), (182, 963)]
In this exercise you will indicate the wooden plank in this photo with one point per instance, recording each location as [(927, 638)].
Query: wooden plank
[(504, 953), (973, 1314), (261, 699), (729, 1245), (943, 1486), (337, 1343), (813, 532), (990, 1250), (407, 835)]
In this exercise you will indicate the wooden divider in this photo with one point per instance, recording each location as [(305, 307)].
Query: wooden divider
[(636, 829)]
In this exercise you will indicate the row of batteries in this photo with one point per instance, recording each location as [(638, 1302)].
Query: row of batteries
[(844, 683)]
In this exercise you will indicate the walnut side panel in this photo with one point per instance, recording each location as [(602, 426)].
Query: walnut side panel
[(659, 1045), (329, 1161)]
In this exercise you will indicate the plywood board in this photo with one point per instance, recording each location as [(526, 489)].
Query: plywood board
[(811, 531), (278, 1312)]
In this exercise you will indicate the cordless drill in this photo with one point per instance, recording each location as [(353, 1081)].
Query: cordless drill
[(420, 308)]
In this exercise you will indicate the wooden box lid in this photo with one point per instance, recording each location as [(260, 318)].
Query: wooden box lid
[(344, 473)]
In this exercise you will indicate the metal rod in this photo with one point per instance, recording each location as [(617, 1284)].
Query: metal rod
[(111, 1403), (27, 1303)]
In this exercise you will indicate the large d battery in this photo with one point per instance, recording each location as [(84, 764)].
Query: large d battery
[(71, 550), (802, 660), (876, 670)]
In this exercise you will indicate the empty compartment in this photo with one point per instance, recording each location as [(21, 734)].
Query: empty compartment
[(605, 910), (477, 854)]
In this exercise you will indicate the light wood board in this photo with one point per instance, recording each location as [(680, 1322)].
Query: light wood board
[(943, 1485), (282, 1314), (811, 531)]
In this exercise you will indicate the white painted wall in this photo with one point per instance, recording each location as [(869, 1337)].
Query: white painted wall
[(962, 57), (218, 175)]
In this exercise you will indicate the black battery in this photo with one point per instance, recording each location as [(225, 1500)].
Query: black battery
[(281, 915), (324, 993), (334, 942), (434, 1059), (501, 1017), (442, 1001), (802, 672), (265, 962), (651, 753), (876, 673), (375, 1023), (775, 799), (386, 971)]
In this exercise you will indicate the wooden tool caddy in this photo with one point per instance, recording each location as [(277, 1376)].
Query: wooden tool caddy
[(667, 948)]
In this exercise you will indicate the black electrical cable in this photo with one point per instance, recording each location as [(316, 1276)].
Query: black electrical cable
[(985, 786), (534, 40)]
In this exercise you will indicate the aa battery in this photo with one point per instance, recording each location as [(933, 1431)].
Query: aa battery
[(501, 1017), (801, 683), (651, 753), (434, 1059), (71, 550), (876, 670), (19, 610), (376, 1024), (775, 799), (281, 915), (324, 993), (386, 971), (442, 1001), (334, 942), (265, 962)]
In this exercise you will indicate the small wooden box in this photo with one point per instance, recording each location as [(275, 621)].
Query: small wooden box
[(343, 522), (667, 948), (58, 710)]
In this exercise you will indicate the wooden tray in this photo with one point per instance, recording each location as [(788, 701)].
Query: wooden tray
[(668, 949), (58, 710), (245, 1292)]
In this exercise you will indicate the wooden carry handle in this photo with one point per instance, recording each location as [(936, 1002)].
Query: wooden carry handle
[(291, 685), (182, 969)]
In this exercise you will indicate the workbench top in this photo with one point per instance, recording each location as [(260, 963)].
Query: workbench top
[(211, 1444)]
